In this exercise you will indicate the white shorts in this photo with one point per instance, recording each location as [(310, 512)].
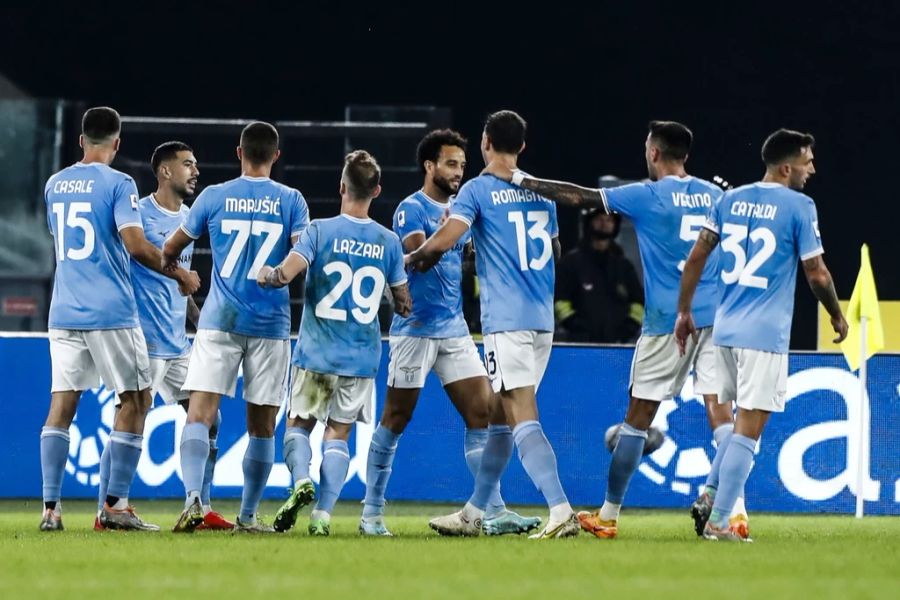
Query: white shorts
[(517, 359), (324, 396), (452, 359), (167, 376), (217, 356), (658, 372), (754, 379), (80, 359)]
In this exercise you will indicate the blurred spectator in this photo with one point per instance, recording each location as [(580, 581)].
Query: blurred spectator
[(599, 298)]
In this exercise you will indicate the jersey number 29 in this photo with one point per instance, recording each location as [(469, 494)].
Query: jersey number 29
[(366, 308)]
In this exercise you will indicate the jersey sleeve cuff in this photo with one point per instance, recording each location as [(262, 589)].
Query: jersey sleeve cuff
[(422, 231), (812, 254), (398, 282), (712, 227), (305, 259), (127, 225), (188, 232), (465, 220), (605, 201)]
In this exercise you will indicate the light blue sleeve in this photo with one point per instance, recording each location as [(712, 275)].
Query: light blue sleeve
[(299, 214), (396, 269), (806, 231), (308, 242), (465, 207), (713, 222), (628, 200), (125, 205), (553, 225), (197, 218), (409, 218)]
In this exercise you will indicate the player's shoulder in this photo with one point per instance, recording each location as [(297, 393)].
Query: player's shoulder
[(706, 185), (479, 183), (413, 201), (112, 176)]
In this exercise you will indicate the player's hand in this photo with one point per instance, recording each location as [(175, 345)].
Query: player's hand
[(840, 328), (262, 276), (189, 283), (498, 170), (684, 327)]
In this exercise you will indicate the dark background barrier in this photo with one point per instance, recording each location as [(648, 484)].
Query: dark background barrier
[(806, 461)]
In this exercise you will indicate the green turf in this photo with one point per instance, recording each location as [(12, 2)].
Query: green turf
[(656, 557)]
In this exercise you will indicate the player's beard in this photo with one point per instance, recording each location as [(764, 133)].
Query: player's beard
[(444, 185)]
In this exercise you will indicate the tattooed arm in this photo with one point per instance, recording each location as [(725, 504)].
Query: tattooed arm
[(690, 277), (560, 191), (402, 299), (822, 286)]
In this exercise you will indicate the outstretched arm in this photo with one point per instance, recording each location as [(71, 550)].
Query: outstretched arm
[(822, 286), (560, 191), (429, 253), (690, 277), (292, 265)]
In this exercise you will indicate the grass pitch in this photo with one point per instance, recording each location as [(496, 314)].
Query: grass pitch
[(656, 556)]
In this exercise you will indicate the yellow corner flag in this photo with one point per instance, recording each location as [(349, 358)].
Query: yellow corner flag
[(863, 303)]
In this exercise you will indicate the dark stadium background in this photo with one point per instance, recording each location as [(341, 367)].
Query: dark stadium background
[(587, 78)]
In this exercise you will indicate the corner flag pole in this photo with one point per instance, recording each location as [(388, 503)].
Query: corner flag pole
[(862, 460)]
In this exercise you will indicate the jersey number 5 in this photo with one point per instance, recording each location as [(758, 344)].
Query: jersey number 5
[(366, 305), (538, 231)]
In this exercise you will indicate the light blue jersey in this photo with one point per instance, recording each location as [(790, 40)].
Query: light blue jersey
[(161, 307), (513, 229), (765, 230), (668, 215), (250, 221), (350, 261), (87, 206), (437, 294)]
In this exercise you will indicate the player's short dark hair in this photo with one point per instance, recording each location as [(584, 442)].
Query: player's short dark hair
[(100, 123), (259, 142), (167, 151), (430, 146), (506, 130), (672, 138), (784, 144), (361, 173)]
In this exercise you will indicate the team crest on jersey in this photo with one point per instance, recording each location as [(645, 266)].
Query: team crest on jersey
[(410, 373)]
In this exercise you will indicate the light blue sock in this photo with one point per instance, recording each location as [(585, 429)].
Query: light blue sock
[(378, 469), (494, 458), (54, 451), (733, 475), (194, 452), (539, 461), (625, 460), (476, 439), (124, 454), (335, 462), (209, 468), (722, 435), (104, 476), (297, 452), (258, 460)]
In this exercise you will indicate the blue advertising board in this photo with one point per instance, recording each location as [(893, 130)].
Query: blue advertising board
[(806, 461)]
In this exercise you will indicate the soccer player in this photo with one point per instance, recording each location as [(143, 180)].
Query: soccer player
[(349, 257), (92, 212), (434, 336), (162, 309), (515, 233), (252, 221), (667, 213), (765, 229)]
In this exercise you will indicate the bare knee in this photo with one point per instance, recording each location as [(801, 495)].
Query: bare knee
[(62, 409), (261, 420), (337, 431), (398, 409)]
